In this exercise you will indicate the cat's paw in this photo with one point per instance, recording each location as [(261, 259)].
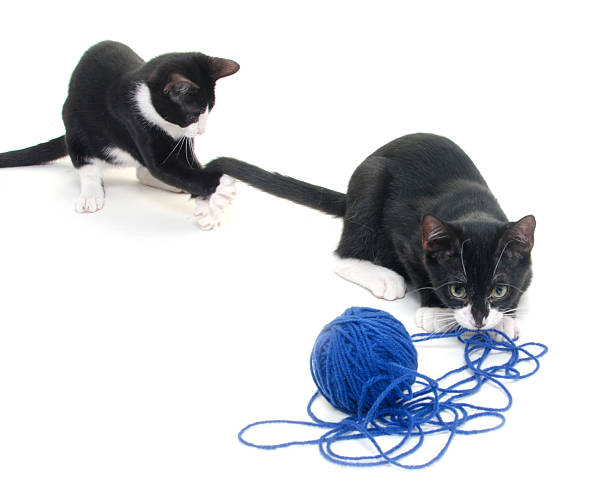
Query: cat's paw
[(208, 211), (509, 326), (90, 201), (432, 319), (380, 281), (387, 284)]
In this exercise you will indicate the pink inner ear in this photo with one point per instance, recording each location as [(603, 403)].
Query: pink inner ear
[(221, 67), (433, 229), (522, 232)]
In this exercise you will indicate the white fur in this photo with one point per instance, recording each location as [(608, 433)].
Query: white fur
[(509, 326), (208, 211), (142, 97), (120, 157), (91, 198), (433, 319), (466, 319), (144, 176), (441, 319), (382, 282)]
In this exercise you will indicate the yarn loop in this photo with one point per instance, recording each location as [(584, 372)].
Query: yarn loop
[(364, 363)]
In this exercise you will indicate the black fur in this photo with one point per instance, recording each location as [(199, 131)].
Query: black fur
[(419, 206), (319, 198), (100, 112)]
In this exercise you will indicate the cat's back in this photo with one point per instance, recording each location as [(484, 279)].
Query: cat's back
[(101, 68), (431, 157), (102, 64)]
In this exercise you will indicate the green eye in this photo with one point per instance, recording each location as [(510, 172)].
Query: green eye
[(499, 291), (458, 291)]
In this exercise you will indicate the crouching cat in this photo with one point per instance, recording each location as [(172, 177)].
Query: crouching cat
[(418, 211), (121, 110)]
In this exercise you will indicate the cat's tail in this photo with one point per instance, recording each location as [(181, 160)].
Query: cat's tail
[(39, 154), (319, 198)]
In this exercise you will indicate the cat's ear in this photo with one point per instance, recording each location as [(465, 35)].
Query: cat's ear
[(178, 86), (518, 238), (221, 67), (438, 237)]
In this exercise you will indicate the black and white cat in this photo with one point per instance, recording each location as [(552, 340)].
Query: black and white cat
[(121, 110), (417, 210)]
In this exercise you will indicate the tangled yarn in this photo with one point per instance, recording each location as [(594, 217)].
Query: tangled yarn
[(364, 363)]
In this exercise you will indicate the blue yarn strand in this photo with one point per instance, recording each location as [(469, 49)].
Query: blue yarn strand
[(364, 363)]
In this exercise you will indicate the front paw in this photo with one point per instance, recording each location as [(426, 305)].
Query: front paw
[(509, 326), (388, 285), (208, 211), (90, 200), (435, 319)]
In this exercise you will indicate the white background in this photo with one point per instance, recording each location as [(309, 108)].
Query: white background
[(134, 346)]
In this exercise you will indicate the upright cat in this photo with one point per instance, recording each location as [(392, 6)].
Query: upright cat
[(122, 110), (417, 210)]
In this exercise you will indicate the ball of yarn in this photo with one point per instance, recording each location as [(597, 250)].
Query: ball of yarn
[(363, 358)]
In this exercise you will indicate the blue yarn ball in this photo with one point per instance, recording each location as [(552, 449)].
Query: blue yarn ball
[(358, 355)]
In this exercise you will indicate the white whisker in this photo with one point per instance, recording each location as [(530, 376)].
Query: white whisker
[(173, 149)]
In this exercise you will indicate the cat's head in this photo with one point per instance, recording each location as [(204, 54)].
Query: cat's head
[(479, 269), (179, 91)]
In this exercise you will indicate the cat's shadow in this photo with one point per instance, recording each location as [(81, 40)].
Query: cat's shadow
[(132, 203)]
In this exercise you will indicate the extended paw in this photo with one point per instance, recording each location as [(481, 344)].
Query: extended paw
[(90, 201), (509, 326), (387, 284), (380, 281), (208, 211), (433, 319)]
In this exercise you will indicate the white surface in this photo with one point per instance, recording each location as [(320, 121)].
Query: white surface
[(134, 346)]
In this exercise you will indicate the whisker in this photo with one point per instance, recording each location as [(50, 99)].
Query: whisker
[(186, 141), (447, 327), (513, 286), (461, 253), (173, 149), (499, 258), (433, 288)]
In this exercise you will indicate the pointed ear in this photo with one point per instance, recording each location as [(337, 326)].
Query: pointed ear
[(221, 67), (518, 238), (438, 236), (178, 86)]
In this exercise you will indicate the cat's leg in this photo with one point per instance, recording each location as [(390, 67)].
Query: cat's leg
[(208, 211), (433, 315), (212, 192), (92, 194), (382, 282), (363, 249), (435, 319), (145, 178), (509, 326), (89, 168)]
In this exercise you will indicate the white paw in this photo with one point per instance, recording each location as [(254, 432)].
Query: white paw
[(90, 201), (509, 326), (382, 282), (387, 284), (432, 319), (208, 211)]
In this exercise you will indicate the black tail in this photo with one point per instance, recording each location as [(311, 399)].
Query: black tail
[(39, 154), (319, 198)]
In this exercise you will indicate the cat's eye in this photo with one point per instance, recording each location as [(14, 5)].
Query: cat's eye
[(458, 291), (499, 291)]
